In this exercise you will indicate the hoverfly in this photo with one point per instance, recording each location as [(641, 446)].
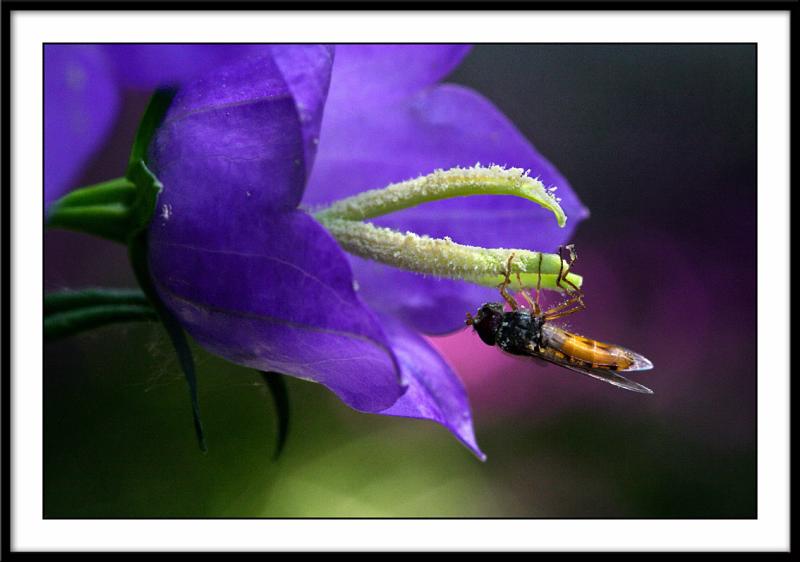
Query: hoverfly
[(529, 332)]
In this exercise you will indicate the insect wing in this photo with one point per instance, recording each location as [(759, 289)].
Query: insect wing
[(605, 375)]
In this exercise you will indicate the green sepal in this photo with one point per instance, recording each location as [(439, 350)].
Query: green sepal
[(111, 192), (153, 117), (280, 396), (102, 210), (137, 249), (148, 188), (147, 185)]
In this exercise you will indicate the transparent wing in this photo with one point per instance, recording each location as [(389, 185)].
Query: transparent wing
[(640, 362)]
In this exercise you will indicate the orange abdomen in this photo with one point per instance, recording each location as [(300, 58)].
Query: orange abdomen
[(594, 352)]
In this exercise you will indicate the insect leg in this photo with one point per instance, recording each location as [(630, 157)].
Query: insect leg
[(563, 272), (566, 304), (506, 282), (539, 284), (527, 296), (553, 314), (558, 311), (574, 294)]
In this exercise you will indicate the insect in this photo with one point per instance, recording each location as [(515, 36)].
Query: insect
[(529, 332)]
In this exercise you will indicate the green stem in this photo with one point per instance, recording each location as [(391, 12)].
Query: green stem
[(69, 322), (63, 301)]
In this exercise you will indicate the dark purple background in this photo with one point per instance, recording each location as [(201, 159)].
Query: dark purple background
[(659, 142)]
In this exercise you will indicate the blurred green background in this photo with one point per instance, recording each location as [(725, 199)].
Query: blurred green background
[(119, 443), (659, 142)]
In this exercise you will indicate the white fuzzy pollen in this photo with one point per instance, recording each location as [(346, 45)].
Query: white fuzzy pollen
[(440, 257), (446, 184)]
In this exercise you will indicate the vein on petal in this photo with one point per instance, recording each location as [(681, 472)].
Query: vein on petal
[(280, 321), (230, 105)]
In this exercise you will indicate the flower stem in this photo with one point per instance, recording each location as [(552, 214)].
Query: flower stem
[(69, 312), (70, 322), (63, 301)]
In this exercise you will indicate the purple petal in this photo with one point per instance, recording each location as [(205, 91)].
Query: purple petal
[(441, 127), (374, 75), (307, 72), (149, 66), (233, 142), (81, 103), (432, 306), (434, 391), (273, 293)]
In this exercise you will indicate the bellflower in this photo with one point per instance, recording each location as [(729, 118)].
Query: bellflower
[(248, 151), (84, 86)]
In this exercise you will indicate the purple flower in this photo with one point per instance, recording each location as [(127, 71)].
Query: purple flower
[(243, 153), (83, 90)]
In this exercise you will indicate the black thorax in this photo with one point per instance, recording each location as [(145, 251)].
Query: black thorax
[(517, 330)]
